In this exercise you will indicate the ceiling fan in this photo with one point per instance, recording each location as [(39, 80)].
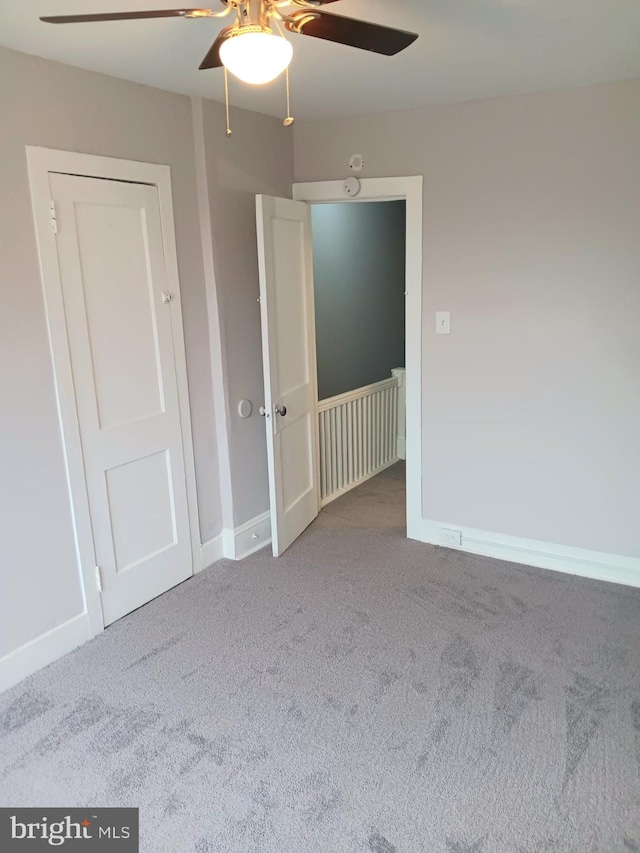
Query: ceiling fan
[(251, 50)]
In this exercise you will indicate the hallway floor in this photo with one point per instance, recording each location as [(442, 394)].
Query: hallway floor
[(363, 692)]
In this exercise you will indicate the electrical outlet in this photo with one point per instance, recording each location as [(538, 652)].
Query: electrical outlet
[(451, 538)]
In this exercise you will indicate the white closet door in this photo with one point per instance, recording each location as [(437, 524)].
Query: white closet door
[(289, 358), (118, 315)]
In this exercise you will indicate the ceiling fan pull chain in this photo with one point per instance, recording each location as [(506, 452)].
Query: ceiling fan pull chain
[(226, 100), (289, 119)]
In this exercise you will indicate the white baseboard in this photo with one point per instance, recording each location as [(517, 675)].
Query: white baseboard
[(248, 538), (43, 650), (531, 552), (211, 551)]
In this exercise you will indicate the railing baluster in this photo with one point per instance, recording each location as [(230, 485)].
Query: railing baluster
[(360, 439), (358, 435)]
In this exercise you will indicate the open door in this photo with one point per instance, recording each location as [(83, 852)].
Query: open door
[(289, 358)]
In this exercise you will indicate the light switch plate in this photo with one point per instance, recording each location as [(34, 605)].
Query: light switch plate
[(443, 322)]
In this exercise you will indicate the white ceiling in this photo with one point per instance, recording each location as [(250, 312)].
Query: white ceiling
[(467, 49)]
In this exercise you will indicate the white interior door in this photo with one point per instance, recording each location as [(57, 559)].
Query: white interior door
[(121, 343), (289, 357)]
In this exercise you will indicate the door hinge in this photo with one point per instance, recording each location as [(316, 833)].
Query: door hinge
[(98, 579), (54, 216)]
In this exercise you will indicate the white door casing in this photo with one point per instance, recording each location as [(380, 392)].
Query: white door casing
[(42, 163), (289, 359)]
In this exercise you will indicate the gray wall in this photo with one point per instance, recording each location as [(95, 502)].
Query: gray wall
[(531, 407), (258, 158), (358, 276)]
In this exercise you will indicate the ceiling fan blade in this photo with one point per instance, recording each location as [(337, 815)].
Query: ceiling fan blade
[(127, 16), (349, 31), (212, 59)]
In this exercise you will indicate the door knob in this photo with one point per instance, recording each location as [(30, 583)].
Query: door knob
[(281, 410), (262, 411)]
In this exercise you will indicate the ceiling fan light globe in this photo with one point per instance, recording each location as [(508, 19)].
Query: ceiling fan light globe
[(256, 57)]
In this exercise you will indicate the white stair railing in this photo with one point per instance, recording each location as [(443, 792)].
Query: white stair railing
[(359, 435)]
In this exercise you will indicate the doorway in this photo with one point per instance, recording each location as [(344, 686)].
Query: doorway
[(409, 189), (359, 255), (288, 339), (107, 252)]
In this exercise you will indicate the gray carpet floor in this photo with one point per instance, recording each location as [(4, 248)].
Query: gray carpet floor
[(361, 693)]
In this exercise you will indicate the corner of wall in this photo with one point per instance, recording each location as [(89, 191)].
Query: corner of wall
[(216, 343)]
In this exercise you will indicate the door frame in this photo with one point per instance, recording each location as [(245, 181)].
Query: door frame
[(408, 189), (41, 162)]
